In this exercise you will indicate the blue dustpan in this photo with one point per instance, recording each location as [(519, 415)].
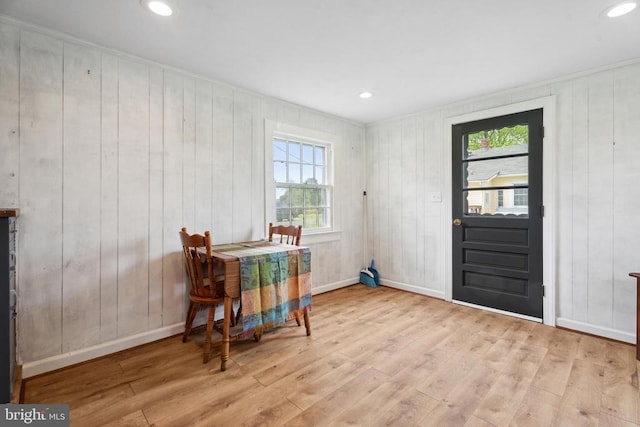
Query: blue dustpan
[(370, 276)]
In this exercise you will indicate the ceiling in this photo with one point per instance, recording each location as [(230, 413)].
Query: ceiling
[(412, 54)]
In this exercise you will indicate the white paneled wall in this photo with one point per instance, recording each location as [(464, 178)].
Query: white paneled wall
[(597, 147), (107, 156)]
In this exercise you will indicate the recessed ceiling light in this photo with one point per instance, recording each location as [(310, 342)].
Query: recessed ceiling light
[(158, 7), (621, 9), (366, 95)]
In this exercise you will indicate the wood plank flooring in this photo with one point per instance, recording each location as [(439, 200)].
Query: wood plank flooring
[(376, 357)]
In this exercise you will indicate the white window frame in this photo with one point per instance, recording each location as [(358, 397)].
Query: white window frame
[(289, 132)]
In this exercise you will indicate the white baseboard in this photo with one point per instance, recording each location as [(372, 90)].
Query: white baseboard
[(52, 363), (602, 331), (411, 288), (335, 285)]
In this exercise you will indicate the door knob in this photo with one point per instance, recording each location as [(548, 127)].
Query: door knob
[(457, 222)]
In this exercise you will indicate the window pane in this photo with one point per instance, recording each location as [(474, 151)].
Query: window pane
[(279, 149), (311, 218), (307, 154), (497, 172), (491, 202), (307, 174), (280, 172), (294, 152), (312, 196), (320, 175), (323, 197), (294, 173), (521, 196), (297, 198), (282, 216), (319, 158), (497, 142), (282, 197), (325, 217)]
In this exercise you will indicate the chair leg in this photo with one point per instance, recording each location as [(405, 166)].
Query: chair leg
[(191, 314), (307, 322), (238, 316), (298, 319), (228, 312), (207, 341)]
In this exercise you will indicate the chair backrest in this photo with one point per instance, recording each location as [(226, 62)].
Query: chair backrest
[(197, 255), (289, 234)]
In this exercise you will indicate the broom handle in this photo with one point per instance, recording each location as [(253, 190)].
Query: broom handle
[(365, 231)]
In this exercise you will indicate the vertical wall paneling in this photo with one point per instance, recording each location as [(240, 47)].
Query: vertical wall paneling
[(354, 236), (203, 157), (600, 194), (340, 189), (40, 239), (375, 194), (81, 198), (396, 203), (173, 279), (156, 193), (580, 201), (410, 199), (626, 203), (422, 197), (564, 148), (133, 197), (109, 199), (257, 169), (242, 145), (222, 164), (433, 170), (189, 170), (9, 115)]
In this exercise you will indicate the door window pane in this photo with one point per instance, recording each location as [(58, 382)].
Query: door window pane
[(497, 142), (497, 172), (496, 202)]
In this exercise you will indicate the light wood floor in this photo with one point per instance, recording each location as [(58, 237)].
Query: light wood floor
[(376, 357)]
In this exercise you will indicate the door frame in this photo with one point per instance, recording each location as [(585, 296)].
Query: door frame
[(548, 196)]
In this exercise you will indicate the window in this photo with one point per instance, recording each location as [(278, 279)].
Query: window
[(301, 174), (520, 196), (500, 198)]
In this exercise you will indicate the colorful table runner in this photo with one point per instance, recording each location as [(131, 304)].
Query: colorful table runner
[(275, 282)]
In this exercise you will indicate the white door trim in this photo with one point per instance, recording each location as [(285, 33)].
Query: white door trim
[(548, 105)]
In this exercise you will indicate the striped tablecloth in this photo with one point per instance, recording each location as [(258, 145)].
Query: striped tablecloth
[(275, 282)]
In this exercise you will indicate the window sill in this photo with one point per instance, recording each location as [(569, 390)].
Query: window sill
[(320, 237)]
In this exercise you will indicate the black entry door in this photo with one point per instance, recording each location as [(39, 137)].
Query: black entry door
[(497, 213)]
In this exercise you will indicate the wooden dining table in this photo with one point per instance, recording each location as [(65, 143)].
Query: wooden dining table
[(227, 259)]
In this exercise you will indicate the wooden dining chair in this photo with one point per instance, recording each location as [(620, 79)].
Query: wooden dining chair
[(289, 234), (206, 289)]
